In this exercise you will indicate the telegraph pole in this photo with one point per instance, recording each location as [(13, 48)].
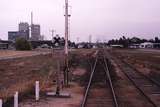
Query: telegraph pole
[(52, 33), (66, 42), (66, 27), (90, 39), (66, 70)]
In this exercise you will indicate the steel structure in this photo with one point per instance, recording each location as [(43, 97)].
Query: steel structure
[(66, 27), (66, 42)]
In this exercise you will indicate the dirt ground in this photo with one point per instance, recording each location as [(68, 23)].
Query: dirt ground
[(20, 75), (74, 101), (20, 69), (75, 90), (11, 53), (147, 60), (127, 94)]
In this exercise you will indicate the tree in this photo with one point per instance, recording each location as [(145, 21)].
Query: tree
[(22, 44), (157, 40)]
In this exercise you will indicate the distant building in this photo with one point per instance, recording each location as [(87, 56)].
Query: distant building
[(146, 45), (24, 30), (134, 46), (156, 45), (116, 46), (23, 26), (22, 33), (4, 45), (13, 35), (35, 32)]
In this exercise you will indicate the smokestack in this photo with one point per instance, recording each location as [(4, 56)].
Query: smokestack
[(31, 18), (31, 25)]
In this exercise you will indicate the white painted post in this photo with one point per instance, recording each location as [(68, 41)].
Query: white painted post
[(16, 99), (37, 90), (1, 102)]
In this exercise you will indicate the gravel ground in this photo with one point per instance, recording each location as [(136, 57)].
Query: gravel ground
[(75, 90), (76, 97)]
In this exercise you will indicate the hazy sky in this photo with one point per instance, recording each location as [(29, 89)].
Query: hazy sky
[(104, 19)]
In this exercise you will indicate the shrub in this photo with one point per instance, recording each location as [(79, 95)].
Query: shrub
[(22, 44)]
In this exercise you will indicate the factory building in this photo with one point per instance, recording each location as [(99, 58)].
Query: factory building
[(23, 26), (24, 30), (13, 35), (35, 32), (22, 33)]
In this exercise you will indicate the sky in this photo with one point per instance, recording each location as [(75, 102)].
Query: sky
[(103, 19)]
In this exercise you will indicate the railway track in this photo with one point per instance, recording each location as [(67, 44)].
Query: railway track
[(100, 91), (149, 88)]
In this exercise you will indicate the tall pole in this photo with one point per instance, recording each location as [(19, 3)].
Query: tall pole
[(66, 27), (66, 43), (52, 34), (31, 25), (90, 39)]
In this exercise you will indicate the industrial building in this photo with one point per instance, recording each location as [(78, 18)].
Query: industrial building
[(24, 30), (23, 26), (13, 35), (5, 44), (22, 33), (35, 32)]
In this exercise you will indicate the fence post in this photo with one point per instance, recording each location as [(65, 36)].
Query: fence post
[(37, 90), (1, 102), (16, 99)]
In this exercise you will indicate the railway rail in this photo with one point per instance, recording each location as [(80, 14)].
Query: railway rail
[(149, 88), (100, 91)]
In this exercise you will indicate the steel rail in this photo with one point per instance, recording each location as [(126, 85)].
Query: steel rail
[(110, 82), (90, 63), (150, 79), (89, 84), (141, 91)]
